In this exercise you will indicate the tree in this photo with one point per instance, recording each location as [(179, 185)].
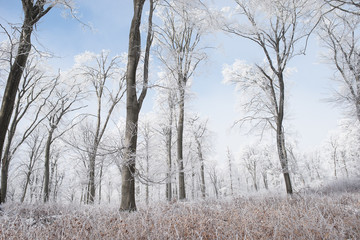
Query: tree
[(133, 102), (165, 107), (178, 40), (339, 33), (277, 27), (199, 131), (64, 103), (36, 149), (230, 160), (32, 97), (33, 12), (100, 71), (348, 6)]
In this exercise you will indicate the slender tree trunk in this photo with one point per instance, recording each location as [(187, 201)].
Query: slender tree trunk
[(280, 136), (91, 189), (169, 152), (283, 160), (28, 174), (47, 165), (230, 171), (147, 174), (169, 162), (202, 171), (265, 180), (180, 133), (100, 179)]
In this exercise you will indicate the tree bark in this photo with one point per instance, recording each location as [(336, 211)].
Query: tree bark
[(180, 133), (280, 137), (33, 12), (169, 162), (47, 166), (202, 171), (132, 112)]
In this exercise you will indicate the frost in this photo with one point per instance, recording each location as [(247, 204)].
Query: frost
[(306, 216)]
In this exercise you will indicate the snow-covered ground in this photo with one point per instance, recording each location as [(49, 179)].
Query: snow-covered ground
[(303, 216)]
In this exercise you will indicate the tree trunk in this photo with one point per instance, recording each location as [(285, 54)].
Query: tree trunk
[(180, 133), (283, 160), (230, 172), (280, 136), (91, 189), (133, 105), (47, 165), (132, 112), (202, 171), (128, 168), (100, 179), (147, 174), (169, 162), (12, 83)]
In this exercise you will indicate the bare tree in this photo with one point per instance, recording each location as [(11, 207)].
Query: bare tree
[(340, 35), (348, 6), (100, 75), (65, 102), (199, 131), (230, 160), (33, 12), (251, 162), (180, 53), (277, 27), (133, 102), (36, 149), (32, 97), (165, 105)]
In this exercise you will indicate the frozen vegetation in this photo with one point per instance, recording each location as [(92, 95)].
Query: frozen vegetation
[(326, 213)]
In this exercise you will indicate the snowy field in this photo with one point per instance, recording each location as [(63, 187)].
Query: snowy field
[(303, 216)]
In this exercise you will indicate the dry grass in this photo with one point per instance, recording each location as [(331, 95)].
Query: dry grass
[(301, 217)]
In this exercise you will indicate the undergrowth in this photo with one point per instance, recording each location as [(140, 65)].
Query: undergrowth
[(307, 216)]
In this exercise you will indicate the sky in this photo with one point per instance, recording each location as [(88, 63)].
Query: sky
[(310, 118)]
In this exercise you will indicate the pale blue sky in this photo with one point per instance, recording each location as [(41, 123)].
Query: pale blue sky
[(311, 118)]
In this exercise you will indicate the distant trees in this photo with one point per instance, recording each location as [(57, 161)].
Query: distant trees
[(278, 28)]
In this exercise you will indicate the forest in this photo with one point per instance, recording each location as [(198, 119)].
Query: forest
[(129, 136)]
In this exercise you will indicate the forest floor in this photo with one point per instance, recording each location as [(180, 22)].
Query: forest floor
[(305, 216)]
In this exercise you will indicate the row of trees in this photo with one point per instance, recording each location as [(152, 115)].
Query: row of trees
[(40, 108)]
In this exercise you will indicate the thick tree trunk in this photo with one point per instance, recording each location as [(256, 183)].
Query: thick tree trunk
[(132, 112), (180, 133), (47, 166), (13, 81), (128, 168)]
